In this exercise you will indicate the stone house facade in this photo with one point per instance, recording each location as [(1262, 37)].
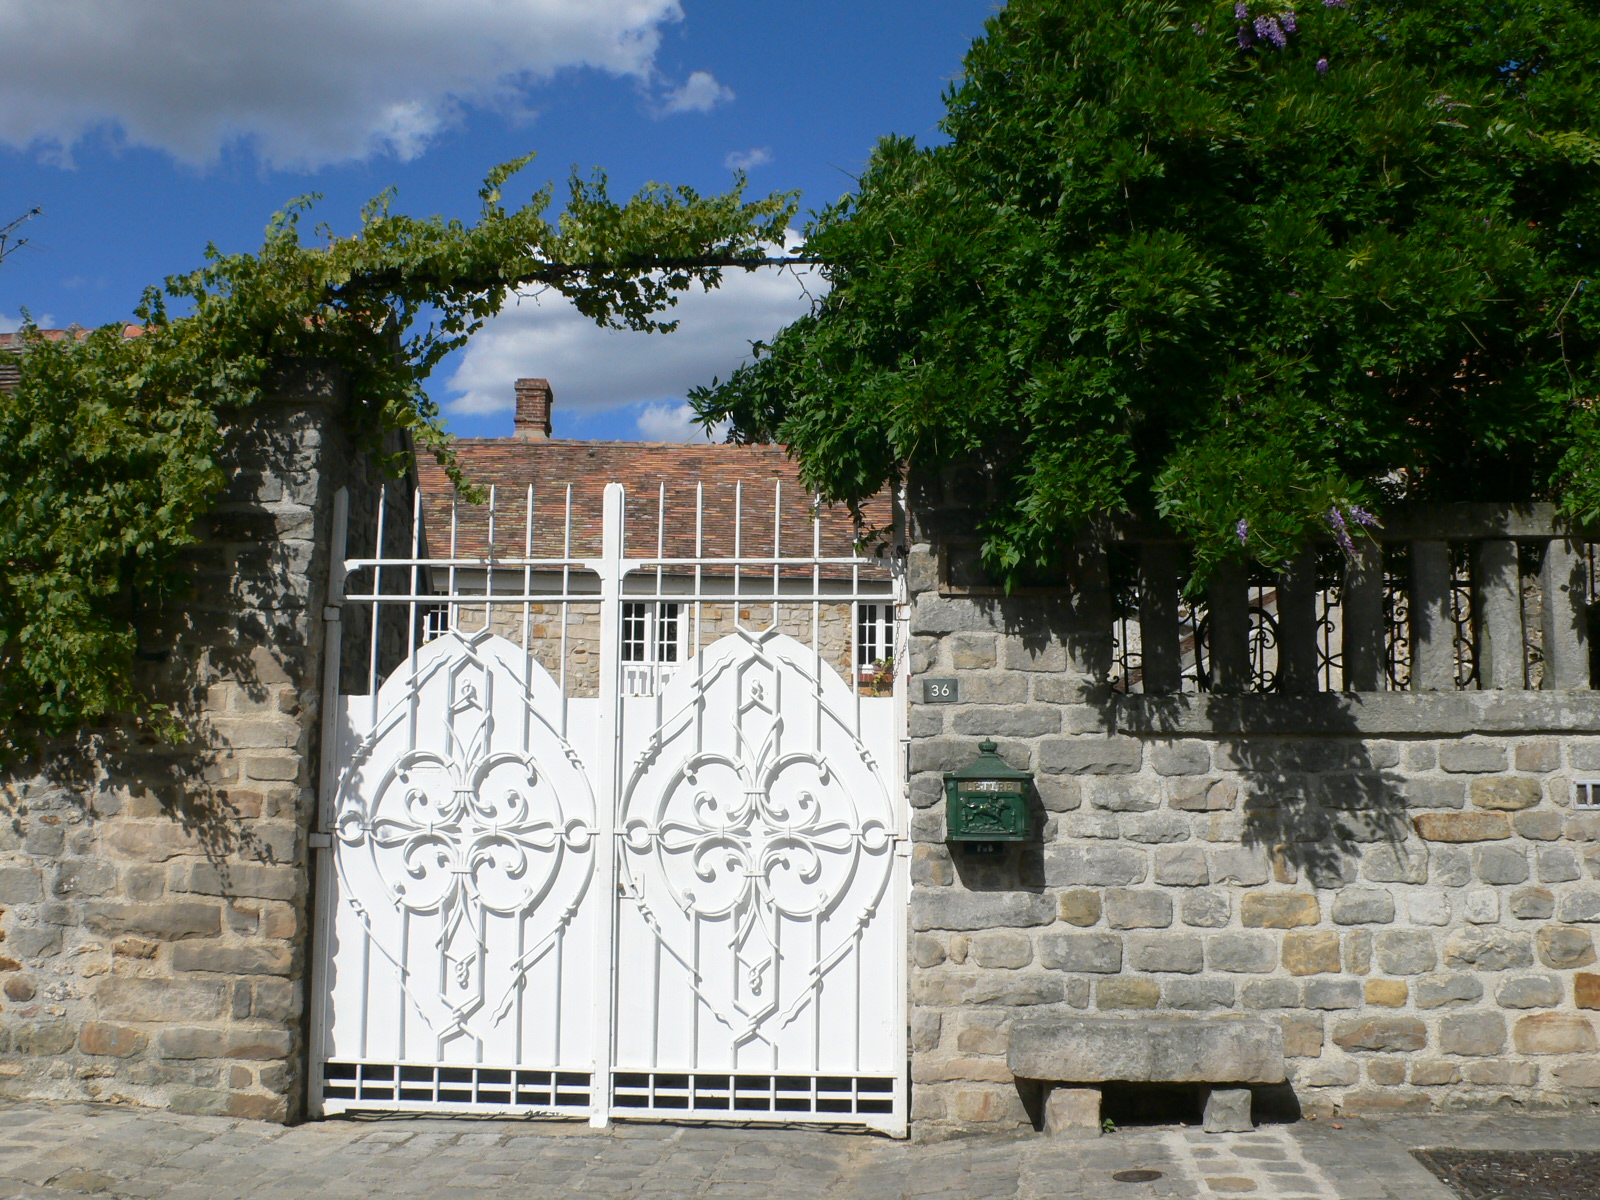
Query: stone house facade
[(1397, 874)]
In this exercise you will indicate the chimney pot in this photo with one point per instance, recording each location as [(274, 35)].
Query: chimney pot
[(534, 402)]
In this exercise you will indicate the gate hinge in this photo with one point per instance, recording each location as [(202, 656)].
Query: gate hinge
[(902, 846), (331, 612), (320, 841)]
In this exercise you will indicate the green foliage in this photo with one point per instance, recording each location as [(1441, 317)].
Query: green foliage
[(109, 445), (1156, 271)]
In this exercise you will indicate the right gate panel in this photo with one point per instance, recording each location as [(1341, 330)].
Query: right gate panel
[(759, 946)]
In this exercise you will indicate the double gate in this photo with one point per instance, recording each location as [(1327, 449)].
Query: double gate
[(607, 834)]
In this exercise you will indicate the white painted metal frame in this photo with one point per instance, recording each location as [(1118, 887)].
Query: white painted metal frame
[(737, 955)]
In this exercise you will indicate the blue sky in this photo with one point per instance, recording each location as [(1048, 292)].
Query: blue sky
[(147, 128)]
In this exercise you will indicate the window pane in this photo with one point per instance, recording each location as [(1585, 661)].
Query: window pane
[(667, 633)]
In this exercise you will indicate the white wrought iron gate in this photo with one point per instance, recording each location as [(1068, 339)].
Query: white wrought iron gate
[(608, 833)]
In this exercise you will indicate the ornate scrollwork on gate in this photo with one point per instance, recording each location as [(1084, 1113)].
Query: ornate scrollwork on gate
[(755, 805), (447, 814)]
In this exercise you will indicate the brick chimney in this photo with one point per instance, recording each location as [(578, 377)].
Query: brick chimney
[(534, 401)]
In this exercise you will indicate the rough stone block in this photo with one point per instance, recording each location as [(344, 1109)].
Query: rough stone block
[(1449, 866), (1434, 1073), (1058, 793), (1181, 866), (1473, 1033), (1131, 908), (1405, 952), (1434, 793), (1198, 995), (1091, 952), (1271, 993), (1079, 906), (1180, 758), (972, 651), (1502, 1073), (1278, 910), (269, 958), (169, 921), (110, 1041), (1501, 864), (1387, 993), (1538, 757), (1072, 1112), (1228, 1110), (1245, 865), (1090, 756), (1428, 908), (1174, 952), (1558, 864), (1533, 904), (953, 908), (1154, 1049), (34, 941), (1529, 991), (1202, 795), (21, 885), (1019, 721), (1462, 827), (45, 1039), (1123, 795), (1579, 906), (1554, 1033), (1001, 949), (1586, 989), (1381, 1034), (237, 880), (1311, 952), (1539, 825), (1388, 863), (1251, 953), (1563, 947), (1205, 909), (1096, 866), (1471, 757), (1488, 949), (1505, 793), (1481, 906), (1331, 994), (1127, 991), (1363, 906)]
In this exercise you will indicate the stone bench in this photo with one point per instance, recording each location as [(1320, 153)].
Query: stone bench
[(1074, 1055)]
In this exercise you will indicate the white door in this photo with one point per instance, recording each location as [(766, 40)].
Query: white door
[(675, 897)]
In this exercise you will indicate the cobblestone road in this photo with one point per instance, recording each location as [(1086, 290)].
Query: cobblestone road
[(72, 1150)]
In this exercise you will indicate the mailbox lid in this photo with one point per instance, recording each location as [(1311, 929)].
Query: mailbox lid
[(988, 765)]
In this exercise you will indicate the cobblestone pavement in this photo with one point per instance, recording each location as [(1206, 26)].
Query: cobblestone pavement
[(60, 1151)]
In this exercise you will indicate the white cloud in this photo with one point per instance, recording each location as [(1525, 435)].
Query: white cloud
[(9, 324), (592, 369), (306, 82), (672, 423), (699, 93), (745, 160)]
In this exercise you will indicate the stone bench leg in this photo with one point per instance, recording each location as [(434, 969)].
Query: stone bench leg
[(1072, 1112), (1228, 1110)]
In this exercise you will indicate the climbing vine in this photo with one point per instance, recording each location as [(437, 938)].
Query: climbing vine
[(110, 441)]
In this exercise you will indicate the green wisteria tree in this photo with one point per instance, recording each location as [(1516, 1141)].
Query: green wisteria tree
[(1258, 271)]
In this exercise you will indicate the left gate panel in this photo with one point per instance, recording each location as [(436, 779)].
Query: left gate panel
[(458, 891)]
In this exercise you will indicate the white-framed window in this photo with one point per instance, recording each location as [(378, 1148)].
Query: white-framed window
[(435, 621), (874, 635), (651, 633)]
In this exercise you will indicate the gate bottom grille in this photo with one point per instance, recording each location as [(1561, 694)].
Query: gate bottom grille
[(787, 1096), (352, 1085)]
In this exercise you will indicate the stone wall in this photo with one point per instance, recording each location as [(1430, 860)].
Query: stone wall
[(153, 898), (1399, 879)]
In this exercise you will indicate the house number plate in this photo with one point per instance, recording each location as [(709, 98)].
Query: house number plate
[(940, 691)]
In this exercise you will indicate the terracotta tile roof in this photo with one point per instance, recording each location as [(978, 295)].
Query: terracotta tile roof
[(10, 374), (738, 481)]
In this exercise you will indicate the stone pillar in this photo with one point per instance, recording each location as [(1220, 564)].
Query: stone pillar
[(1228, 612), (1160, 650), (154, 899), (1565, 615), (1363, 618), (1497, 599), (1433, 629), (1297, 624)]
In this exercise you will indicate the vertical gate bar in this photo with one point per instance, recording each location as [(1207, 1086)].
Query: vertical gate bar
[(777, 553), (661, 552), (608, 762), (455, 504), (816, 628), (566, 606), (488, 575), (738, 550), (699, 567), (328, 780), (412, 609), (527, 589), (899, 790), (377, 604)]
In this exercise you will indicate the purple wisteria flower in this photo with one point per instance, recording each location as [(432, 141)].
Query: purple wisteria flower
[(1268, 30), (1245, 40), (1287, 20), (1341, 531), (1322, 66), (1242, 531), (1241, 11), (1335, 3), (1362, 517)]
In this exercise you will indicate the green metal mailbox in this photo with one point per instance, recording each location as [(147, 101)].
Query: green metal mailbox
[(987, 800)]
